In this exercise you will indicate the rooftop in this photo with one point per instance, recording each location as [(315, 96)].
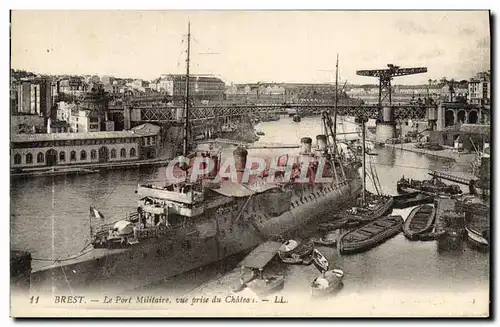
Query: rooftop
[(39, 137)]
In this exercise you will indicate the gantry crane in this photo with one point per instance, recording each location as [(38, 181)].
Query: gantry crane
[(385, 76)]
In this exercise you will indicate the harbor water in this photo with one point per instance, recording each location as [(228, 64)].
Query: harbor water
[(50, 219)]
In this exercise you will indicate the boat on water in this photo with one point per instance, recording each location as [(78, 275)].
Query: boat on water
[(259, 271), (371, 234), (183, 225), (260, 133), (477, 221), (419, 221), (293, 252), (432, 186), (374, 206), (320, 261), (411, 199), (329, 239), (478, 233), (327, 283)]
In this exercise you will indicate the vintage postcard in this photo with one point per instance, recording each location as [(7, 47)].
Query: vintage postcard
[(250, 163)]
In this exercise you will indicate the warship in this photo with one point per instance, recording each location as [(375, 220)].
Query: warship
[(186, 225)]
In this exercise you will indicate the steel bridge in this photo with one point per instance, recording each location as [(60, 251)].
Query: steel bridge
[(164, 113)]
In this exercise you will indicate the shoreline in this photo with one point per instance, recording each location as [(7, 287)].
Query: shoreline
[(86, 168)]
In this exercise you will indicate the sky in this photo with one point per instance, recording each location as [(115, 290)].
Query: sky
[(252, 46)]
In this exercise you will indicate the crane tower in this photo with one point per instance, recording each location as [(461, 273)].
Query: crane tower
[(385, 76)]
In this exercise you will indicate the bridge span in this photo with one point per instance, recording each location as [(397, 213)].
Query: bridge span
[(138, 112)]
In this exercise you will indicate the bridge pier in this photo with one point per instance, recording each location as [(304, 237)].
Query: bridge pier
[(386, 126), (126, 117)]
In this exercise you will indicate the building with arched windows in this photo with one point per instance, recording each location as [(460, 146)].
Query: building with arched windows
[(66, 149)]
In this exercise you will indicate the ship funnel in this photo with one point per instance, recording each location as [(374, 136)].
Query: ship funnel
[(321, 140), (215, 170), (240, 161), (305, 143)]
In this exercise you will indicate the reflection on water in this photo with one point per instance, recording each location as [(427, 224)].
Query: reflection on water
[(49, 217)]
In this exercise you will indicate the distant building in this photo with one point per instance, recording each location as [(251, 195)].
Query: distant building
[(35, 98), (150, 146), (107, 80), (201, 87), (57, 126), (79, 120), (480, 89), (85, 121), (66, 149), (71, 86)]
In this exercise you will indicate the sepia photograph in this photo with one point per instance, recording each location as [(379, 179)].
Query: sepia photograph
[(230, 163)]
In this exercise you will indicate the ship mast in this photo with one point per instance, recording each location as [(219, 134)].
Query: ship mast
[(186, 108), (335, 110), (363, 153)]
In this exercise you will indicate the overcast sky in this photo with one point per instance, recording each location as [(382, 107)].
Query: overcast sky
[(272, 46)]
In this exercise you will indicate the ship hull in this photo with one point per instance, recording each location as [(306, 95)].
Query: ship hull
[(127, 269)]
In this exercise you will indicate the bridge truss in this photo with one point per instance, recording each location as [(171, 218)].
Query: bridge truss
[(203, 113)]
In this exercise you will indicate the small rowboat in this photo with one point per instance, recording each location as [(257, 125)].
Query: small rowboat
[(478, 231), (371, 234), (378, 206), (320, 261), (293, 252), (327, 283), (330, 239), (419, 221)]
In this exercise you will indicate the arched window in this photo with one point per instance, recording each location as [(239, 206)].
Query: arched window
[(113, 153), (93, 154), (123, 153), (83, 155), (132, 152), (17, 159), (73, 156), (62, 156), (29, 158), (39, 157)]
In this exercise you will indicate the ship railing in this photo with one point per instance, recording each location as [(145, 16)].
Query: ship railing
[(104, 228)]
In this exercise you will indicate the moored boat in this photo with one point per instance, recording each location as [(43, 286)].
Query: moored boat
[(411, 199), (293, 252), (257, 271), (375, 206), (329, 226), (371, 234), (478, 231), (320, 261), (327, 283), (329, 239), (432, 186), (419, 221)]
